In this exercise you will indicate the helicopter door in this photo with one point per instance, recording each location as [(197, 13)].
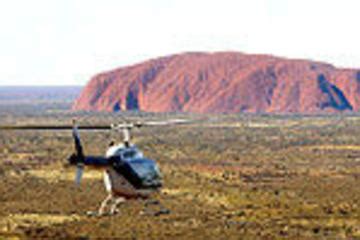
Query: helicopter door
[(117, 183)]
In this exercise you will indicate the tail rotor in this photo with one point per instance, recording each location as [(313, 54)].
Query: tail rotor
[(77, 141), (79, 173), (78, 157)]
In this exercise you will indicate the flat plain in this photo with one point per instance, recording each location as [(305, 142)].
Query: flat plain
[(225, 177)]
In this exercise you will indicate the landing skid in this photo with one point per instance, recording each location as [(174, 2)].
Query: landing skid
[(151, 208)]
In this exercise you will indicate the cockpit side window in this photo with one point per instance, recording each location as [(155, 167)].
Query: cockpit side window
[(129, 154)]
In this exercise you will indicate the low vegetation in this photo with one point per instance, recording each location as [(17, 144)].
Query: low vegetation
[(226, 177)]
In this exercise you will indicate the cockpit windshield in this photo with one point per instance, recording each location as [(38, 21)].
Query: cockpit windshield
[(146, 169)]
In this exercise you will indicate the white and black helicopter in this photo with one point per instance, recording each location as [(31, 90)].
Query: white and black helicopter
[(127, 173)]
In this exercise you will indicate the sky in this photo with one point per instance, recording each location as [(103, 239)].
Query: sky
[(66, 42)]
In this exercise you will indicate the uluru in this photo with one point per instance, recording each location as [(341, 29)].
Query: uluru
[(223, 82)]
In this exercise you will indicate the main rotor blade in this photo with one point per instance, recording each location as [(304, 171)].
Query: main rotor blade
[(167, 122), (100, 127), (52, 127), (139, 124)]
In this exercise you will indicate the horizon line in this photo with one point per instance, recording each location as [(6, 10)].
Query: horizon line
[(37, 85)]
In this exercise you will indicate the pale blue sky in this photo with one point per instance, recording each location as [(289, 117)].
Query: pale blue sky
[(65, 42)]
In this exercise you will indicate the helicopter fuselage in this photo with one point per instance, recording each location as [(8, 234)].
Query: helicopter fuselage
[(127, 172)]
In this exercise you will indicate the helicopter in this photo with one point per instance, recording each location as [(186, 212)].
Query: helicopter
[(127, 173)]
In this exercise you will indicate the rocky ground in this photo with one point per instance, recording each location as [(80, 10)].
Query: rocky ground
[(231, 177)]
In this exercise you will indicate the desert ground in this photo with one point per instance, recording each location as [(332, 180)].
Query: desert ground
[(225, 177)]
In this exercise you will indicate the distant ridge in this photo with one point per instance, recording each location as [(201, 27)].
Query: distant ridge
[(39, 93), (224, 82)]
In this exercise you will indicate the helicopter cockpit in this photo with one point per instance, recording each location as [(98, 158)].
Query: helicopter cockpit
[(131, 163), (125, 153)]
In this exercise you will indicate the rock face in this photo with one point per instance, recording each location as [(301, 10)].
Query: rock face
[(225, 82)]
